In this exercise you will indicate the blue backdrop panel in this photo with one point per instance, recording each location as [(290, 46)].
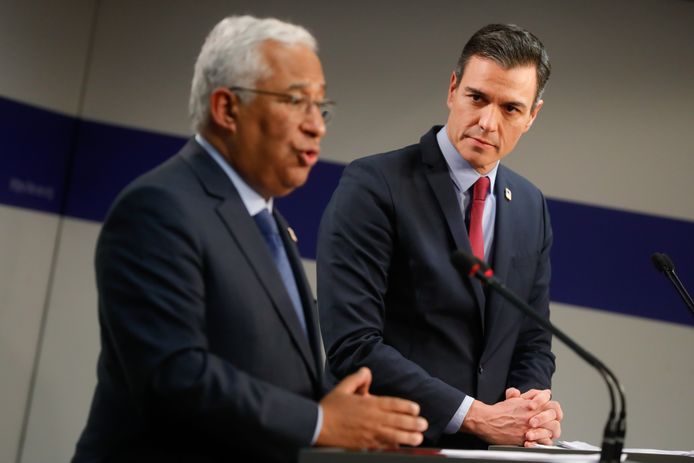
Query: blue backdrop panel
[(107, 158), (600, 258), (36, 145)]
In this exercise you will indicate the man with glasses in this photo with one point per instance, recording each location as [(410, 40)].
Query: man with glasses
[(210, 342), (389, 296)]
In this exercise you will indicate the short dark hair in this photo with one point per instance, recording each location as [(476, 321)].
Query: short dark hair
[(509, 46)]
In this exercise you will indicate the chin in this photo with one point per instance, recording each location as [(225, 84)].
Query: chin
[(289, 187)]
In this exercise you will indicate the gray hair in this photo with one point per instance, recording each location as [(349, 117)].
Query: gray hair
[(509, 46), (231, 56)]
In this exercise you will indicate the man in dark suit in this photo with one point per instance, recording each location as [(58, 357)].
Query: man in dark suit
[(388, 295), (209, 333)]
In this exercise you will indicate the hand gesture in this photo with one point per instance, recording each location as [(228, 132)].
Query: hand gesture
[(353, 418)]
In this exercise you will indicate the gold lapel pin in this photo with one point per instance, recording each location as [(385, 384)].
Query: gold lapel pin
[(508, 194), (292, 235)]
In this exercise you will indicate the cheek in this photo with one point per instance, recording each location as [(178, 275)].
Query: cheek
[(463, 117), (512, 131)]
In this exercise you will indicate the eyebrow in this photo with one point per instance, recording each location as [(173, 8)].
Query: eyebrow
[(477, 91), (301, 86)]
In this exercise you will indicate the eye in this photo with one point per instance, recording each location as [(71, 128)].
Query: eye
[(475, 97), (295, 100), (512, 109)]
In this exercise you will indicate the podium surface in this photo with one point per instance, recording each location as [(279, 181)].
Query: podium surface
[(495, 454)]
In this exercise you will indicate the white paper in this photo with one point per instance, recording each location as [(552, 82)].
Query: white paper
[(578, 445), (511, 455)]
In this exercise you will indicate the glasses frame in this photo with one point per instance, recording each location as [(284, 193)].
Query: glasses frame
[(326, 108)]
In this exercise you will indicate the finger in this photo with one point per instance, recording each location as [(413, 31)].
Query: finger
[(555, 428), (358, 381), (557, 408), (390, 437), (541, 442), (405, 422), (538, 434), (512, 392), (363, 389), (530, 394), (554, 405), (551, 430), (395, 404), (545, 442), (543, 417), (540, 399)]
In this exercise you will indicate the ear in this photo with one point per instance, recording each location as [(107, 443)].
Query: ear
[(533, 115), (452, 86), (224, 108)]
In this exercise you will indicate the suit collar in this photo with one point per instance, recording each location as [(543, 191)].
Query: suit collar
[(439, 178), (244, 231), (253, 201), (462, 173)]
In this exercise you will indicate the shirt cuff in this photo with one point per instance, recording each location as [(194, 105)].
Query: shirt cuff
[(319, 425), (456, 422)]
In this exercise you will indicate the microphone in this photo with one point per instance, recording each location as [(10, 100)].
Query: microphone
[(615, 428), (663, 263)]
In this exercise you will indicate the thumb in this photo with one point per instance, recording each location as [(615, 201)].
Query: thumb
[(512, 392), (356, 383)]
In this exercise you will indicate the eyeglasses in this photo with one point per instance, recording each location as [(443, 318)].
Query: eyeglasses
[(296, 102)]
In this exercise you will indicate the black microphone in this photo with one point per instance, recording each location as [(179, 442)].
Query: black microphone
[(615, 428), (664, 264)]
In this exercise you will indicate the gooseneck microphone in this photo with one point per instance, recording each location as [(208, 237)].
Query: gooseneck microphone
[(615, 428), (664, 264)]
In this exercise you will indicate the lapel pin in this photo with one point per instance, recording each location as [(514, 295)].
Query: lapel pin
[(508, 194), (292, 235)]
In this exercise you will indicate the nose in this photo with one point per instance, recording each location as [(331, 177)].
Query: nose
[(489, 118), (313, 123)]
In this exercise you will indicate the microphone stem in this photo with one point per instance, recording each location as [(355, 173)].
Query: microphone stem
[(613, 439), (681, 289)]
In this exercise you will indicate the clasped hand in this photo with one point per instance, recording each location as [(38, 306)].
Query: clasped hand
[(522, 419)]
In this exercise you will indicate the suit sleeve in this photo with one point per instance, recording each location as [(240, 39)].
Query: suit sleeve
[(150, 268), (355, 248), (533, 364)]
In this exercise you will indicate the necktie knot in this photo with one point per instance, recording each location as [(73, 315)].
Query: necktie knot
[(266, 223), (481, 188)]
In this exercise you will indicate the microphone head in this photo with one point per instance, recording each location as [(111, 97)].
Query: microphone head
[(662, 262), (466, 262)]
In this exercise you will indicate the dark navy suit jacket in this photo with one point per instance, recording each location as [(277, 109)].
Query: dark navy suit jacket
[(390, 299), (202, 356)]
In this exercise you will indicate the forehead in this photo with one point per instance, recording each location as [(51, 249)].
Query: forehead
[(292, 67), (518, 83)]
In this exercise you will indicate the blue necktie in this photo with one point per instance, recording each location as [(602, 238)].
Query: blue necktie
[(268, 227)]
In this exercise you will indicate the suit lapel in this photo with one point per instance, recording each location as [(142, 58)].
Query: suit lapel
[(244, 231), (439, 178), (307, 299), (504, 236)]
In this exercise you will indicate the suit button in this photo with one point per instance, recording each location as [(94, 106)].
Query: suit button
[(480, 369)]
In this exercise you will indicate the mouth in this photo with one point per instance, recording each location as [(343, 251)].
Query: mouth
[(308, 157), (482, 142)]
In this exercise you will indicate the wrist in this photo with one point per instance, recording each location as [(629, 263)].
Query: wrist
[(475, 418)]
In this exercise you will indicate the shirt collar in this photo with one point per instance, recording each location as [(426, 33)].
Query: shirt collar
[(462, 173), (251, 199)]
